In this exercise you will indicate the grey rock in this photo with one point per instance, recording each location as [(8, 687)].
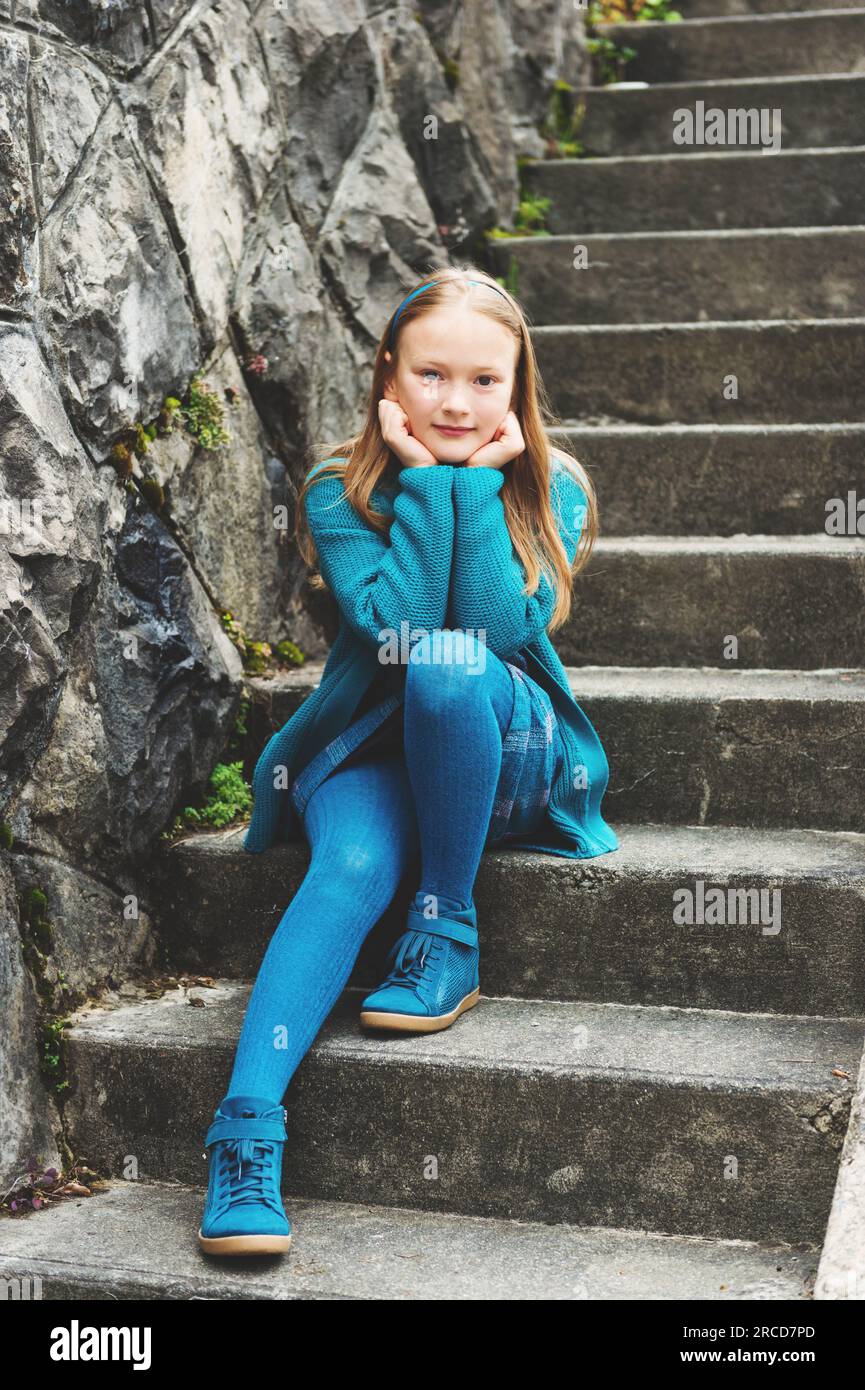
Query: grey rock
[(28, 1113), (17, 207), (120, 320)]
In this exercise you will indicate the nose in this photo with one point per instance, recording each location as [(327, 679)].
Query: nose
[(454, 400)]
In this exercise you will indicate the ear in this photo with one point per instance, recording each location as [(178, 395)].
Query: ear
[(389, 388)]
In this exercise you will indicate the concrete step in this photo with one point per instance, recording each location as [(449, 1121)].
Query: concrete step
[(791, 601), (593, 1114), (777, 749), (760, 45), (713, 9), (601, 930), (719, 479), (710, 746), (821, 110), (665, 192), (785, 371), (683, 277), (137, 1240)]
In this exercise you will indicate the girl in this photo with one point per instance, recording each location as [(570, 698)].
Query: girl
[(449, 532)]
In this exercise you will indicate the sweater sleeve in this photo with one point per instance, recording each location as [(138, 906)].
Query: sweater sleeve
[(488, 577), (381, 580)]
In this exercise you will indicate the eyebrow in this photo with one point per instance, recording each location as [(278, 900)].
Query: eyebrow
[(435, 362)]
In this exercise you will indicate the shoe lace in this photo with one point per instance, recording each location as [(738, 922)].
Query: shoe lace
[(409, 960), (253, 1184)]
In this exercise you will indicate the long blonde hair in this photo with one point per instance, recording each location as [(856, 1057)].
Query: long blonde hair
[(525, 493)]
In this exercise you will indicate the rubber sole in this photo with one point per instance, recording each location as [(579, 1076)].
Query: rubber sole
[(244, 1245), (417, 1023)]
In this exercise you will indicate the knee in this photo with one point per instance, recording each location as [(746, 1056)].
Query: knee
[(350, 869), (446, 666)]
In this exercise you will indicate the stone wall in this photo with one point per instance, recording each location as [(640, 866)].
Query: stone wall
[(188, 187)]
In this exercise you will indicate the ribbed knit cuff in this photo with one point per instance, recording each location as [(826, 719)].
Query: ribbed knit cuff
[(478, 481), (431, 481)]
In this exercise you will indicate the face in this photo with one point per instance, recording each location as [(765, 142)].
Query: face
[(456, 369)]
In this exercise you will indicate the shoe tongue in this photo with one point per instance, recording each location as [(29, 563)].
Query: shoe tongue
[(245, 1107)]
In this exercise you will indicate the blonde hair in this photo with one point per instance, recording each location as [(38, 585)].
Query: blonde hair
[(525, 494)]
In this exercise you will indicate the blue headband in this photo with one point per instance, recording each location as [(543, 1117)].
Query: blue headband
[(427, 286)]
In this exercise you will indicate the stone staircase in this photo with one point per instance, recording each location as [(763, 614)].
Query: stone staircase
[(636, 1108)]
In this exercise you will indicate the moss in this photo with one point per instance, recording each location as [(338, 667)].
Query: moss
[(152, 490), (260, 657), (289, 653), (7, 839), (142, 441), (121, 459)]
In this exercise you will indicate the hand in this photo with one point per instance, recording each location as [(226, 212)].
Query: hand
[(506, 444), (394, 425)]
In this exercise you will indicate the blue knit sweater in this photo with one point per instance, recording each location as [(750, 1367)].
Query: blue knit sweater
[(449, 555)]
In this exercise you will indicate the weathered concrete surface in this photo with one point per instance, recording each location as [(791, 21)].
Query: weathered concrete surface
[(761, 371), (791, 602), (701, 745), (816, 111), (717, 480), (749, 46), (663, 192), (690, 277), (136, 1240), (599, 930), (586, 1113)]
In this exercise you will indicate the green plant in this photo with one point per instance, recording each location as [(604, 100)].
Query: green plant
[(562, 122), (204, 414), (631, 11), (53, 1057), (38, 1186), (6, 837), (531, 215), (240, 730), (229, 796), (165, 418), (609, 60)]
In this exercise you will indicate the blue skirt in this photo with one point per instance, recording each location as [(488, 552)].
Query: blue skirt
[(532, 756)]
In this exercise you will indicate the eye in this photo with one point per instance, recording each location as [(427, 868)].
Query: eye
[(487, 377), (429, 371)]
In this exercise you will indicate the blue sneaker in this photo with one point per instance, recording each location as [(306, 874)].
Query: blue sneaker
[(243, 1213), (433, 972)]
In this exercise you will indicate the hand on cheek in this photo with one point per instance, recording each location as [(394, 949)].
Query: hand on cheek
[(506, 444)]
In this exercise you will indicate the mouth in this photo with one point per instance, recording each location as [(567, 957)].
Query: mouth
[(452, 429)]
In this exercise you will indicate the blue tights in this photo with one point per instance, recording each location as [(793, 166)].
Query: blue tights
[(367, 824)]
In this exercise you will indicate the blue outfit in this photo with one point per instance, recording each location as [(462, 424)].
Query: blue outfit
[(525, 783), (486, 743), (448, 559)]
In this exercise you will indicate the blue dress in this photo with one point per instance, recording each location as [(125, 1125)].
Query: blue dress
[(531, 749)]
